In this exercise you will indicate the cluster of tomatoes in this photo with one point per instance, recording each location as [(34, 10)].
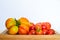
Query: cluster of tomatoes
[(42, 28), (23, 26), (28, 28)]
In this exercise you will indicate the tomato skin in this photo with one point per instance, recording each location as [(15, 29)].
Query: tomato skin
[(23, 29), (31, 29), (47, 25), (44, 27), (32, 26), (38, 26), (44, 31), (50, 32), (39, 32), (31, 32)]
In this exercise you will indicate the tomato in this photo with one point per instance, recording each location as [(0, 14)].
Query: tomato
[(46, 25), (51, 31), (23, 29), (43, 25)]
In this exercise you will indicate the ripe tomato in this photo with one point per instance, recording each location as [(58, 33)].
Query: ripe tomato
[(50, 32), (46, 25), (23, 29)]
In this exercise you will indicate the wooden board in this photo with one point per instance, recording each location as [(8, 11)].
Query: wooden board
[(5, 36)]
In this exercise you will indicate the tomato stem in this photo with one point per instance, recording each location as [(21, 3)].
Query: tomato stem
[(17, 23)]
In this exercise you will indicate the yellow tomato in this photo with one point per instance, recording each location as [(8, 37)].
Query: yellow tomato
[(13, 30)]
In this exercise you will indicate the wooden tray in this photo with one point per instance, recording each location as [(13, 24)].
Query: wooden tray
[(5, 36)]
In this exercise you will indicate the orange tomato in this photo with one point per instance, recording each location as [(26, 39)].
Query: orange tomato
[(23, 19), (10, 22), (23, 29)]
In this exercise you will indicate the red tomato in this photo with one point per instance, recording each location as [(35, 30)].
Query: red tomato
[(46, 25), (50, 32)]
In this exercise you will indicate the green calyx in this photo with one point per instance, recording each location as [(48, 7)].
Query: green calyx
[(38, 30), (17, 22)]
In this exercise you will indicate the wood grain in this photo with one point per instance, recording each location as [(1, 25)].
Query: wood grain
[(5, 36)]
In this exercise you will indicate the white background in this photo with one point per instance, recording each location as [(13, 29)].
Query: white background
[(34, 10)]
